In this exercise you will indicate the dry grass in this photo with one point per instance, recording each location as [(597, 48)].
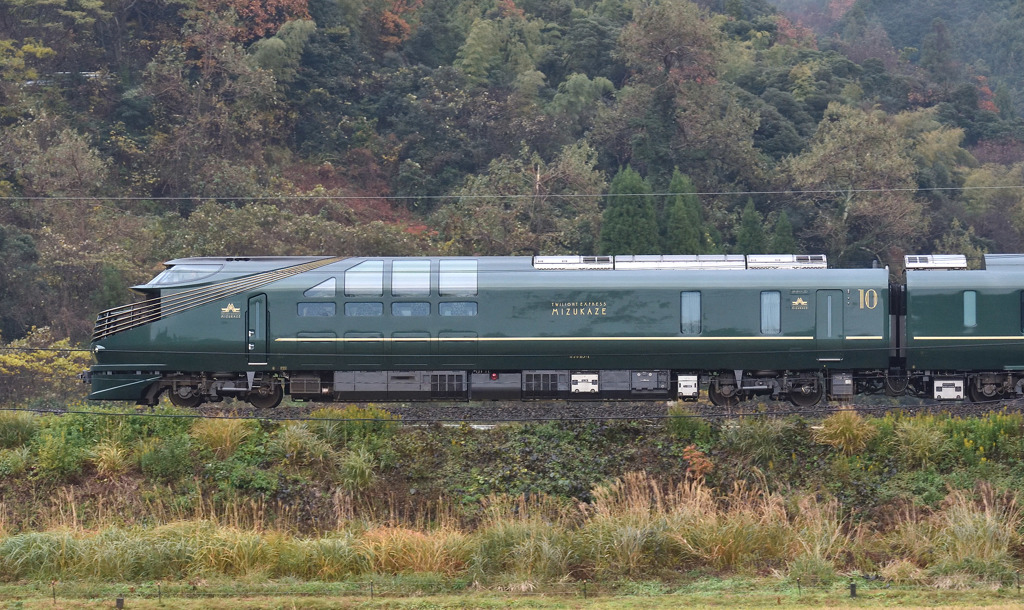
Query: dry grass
[(222, 436), (846, 431)]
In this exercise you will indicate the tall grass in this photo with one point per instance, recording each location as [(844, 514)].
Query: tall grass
[(17, 428), (222, 436), (846, 431), (637, 527)]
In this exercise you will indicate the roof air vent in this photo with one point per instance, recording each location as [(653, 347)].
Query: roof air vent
[(936, 262)]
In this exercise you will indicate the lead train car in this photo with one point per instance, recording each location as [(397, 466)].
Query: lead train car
[(628, 327)]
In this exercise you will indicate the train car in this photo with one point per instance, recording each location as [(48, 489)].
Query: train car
[(435, 328), (965, 328)]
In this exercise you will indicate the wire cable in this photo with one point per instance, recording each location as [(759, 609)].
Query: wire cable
[(92, 199)]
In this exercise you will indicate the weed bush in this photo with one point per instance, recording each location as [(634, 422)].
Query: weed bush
[(920, 441), (14, 462), (357, 469), (17, 428), (300, 446), (165, 460), (758, 440), (109, 458), (58, 457), (353, 423), (689, 427), (846, 431), (221, 436)]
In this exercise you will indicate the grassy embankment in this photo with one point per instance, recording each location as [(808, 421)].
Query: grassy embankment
[(900, 500)]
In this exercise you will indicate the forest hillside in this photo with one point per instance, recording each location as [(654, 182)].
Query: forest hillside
[(136, 132)]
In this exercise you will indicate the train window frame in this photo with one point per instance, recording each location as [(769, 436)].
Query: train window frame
[(771, 312), (365, 279), (970, 308), (458, 278), (410, 309), (184, 273), (457, 309), (316, 309), (410, 278), (690, 312), (326, 289), (362, 309)]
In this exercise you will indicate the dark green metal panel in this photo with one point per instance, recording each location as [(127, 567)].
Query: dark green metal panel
[(939, 337)]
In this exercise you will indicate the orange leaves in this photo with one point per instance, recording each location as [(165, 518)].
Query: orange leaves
[(259, 18)]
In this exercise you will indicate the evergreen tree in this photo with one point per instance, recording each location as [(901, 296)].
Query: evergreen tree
[(684, 229), (750, 237), (629, 223), (783, 241)]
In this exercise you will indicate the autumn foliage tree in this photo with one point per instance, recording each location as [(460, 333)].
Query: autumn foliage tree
[(259, 18)]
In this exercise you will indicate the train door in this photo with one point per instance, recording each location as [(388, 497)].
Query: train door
[(256, 329), (829, 327)]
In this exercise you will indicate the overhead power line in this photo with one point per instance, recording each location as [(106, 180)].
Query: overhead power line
[(92, 199)]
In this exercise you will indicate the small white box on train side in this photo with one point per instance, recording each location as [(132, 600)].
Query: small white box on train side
[(949, 388), (688, 387)]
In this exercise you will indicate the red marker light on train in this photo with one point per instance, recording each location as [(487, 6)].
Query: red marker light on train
[(494, 376)]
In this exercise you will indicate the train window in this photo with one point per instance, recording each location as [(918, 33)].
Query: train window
[(365, 279), (970, 308), (323, 290), (410, 278), (317, 310), (458, 278), (364, 310), (410, 309), (690, 313), (457, 308), (771, 313), (185, 273)]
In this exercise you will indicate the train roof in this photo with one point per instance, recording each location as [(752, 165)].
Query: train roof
[(795, 271)]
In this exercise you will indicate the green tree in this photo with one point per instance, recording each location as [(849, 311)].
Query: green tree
[(782, 241), (684, 226), (629, 224), (524, 205), (859, 179), (750, 236)]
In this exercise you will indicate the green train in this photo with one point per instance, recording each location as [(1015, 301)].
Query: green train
[(784, 327)]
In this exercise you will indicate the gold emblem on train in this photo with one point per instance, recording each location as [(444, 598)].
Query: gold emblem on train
[(799, 303), (231, 311)]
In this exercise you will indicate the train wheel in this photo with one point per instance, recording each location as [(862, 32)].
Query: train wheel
[(723, 391), (266, 396), (986, 393), (806, 394), (185, 396)]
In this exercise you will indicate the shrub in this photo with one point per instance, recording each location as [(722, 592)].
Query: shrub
[(919, 441), (300, 445), (222, 436), (902, 572), (165, 459), (14, 462), (17, 428), (342, 426), (397, 550), (356, 469), (689, 427), (57, 456), (812, 570), (109, 458), (758, 439), (846, 431)]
